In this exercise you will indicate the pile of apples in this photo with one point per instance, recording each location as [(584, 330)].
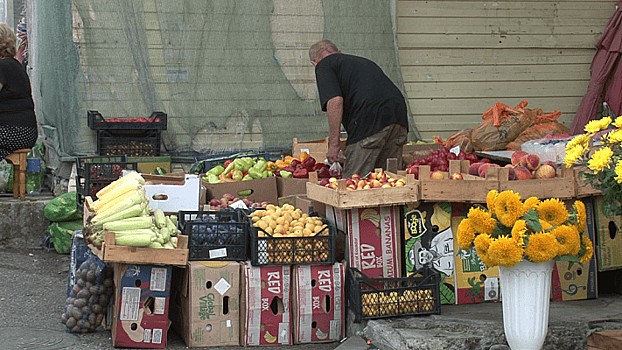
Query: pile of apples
[(438, 161), (377, 179), (523, 166), (228, 199)]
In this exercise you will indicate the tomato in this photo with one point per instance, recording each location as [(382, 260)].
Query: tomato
[(141, 120), (157, 119), (150, 120), (114, 120)]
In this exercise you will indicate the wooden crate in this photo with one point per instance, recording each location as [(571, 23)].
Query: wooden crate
[(562, 186), (472, 189), (342, 198), (583, 189), (112, 253)]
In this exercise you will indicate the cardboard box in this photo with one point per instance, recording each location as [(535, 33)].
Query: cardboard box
[(474, 281), (316, 148), (318, 303), (428, 238), (208, 313), (575, 281), (265, 307), (173, 193), (289, 186), (147, 165), (608, 240), (304, 203), (374, 240), (142, 296), (260, 190)]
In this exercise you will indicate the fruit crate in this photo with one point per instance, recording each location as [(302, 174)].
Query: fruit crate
[(370, 298), (156, 121), (215, 235), (95, 173), (132, 143), (270, 250)]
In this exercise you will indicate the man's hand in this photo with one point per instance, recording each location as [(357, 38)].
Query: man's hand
[(333, 154)]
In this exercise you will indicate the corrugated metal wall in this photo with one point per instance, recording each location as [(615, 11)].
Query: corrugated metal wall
[(459, 57)]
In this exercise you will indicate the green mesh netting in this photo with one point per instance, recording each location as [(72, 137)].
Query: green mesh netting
[(230, 74)]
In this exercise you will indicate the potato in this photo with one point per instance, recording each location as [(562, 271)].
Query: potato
[(80, 302), (77, 313), (100, 318), (108, 282), (83, 293), (92, 318), (71, 322), (86, 326), (91, 276), (81, 282), (96, 308), (64, 317), (103, 300), (94, 289)]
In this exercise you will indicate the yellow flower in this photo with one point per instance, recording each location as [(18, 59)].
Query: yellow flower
[(541, 247), (482, 244), (505, 251), (600, 159), (618, 122), (582, 140), (530, 203), (619, 171), (491, 197), (465, 234), (482, 221), (518, 232), (573, 154), (598, 125), (589, 249), (568, 239), (579, 207), (508, 207), (614, 136), (553, 211)]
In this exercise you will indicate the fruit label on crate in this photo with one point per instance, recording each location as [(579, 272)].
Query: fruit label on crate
[(374, 240)]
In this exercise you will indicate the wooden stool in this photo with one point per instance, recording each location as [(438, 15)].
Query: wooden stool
[(18, 158)]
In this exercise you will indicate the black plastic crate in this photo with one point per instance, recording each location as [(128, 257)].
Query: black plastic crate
[(269, 250), (370, 298), (215, 235), (145, 143), (95, 173), (156, 121)]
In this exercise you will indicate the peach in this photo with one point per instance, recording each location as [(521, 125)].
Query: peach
[(437, 175), (482, 169), (530, 161), (522, 173), (517, 156), (545, 171), (512, 173), (551, 163), (473, 168), (456, 176)]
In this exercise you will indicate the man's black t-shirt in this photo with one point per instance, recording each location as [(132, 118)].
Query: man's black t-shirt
[(16, 104), (370, 99)]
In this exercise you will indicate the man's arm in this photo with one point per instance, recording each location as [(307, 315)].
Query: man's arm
[(334, 110)]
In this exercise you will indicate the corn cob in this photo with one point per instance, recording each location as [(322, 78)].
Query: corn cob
[(137, 198), (159, 218), (128, 186), (111, 186), (134, 240), (132, 211), (104, 206), (137, 222)]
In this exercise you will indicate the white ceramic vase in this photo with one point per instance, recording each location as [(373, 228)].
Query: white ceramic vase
[(526, 292)]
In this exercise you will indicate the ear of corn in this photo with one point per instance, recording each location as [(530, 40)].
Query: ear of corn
[(135, 239), (104, 206), (159, 218), (171, 226), (137, 222), (113, 185), (134, 210), (137, 198), (119, 191)]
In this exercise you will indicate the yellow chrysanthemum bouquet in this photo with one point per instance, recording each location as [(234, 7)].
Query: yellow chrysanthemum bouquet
[(509, 230), (603, 162)]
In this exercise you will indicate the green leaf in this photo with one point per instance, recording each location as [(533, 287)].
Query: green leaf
[(568, 257), (532, 220)]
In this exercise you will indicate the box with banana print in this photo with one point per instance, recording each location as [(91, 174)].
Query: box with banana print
[(428, 240), (318, 307)]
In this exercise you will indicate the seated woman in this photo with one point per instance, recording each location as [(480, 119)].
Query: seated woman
[(18, 123)]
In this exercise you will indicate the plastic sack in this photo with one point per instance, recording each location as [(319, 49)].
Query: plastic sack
[(488, 137), (335, 170), (463, 139), (63, 208), (61, 234), (89, 297), (538, 131), (6, 169)]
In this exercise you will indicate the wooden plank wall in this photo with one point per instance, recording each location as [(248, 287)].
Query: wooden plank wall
[(459, 57)]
